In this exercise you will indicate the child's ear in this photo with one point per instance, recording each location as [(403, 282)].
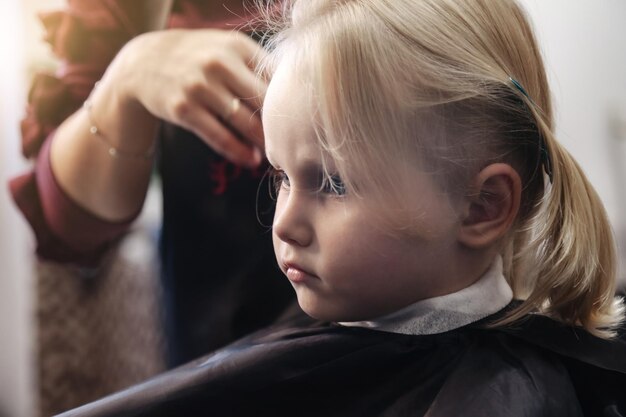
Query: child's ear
[(491, 207)]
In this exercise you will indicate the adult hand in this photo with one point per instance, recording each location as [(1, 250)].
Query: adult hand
[(202, 80)]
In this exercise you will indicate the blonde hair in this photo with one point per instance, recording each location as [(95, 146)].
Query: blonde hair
[(399, 81)]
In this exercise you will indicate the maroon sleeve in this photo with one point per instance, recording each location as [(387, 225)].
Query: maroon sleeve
[(65, 231), (85, 35)]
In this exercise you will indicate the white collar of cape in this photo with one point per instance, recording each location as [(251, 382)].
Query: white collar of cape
[(490, 294)]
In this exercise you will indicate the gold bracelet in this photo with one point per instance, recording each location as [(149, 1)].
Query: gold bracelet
[(113, 151)]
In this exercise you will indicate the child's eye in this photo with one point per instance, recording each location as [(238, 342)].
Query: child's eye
[(333, 185), (279, 179)]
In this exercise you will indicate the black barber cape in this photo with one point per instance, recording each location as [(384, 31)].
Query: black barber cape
[(535, 368)]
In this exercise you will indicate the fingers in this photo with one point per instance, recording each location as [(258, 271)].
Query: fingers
[(205, 88), (220, 138), (251, 52), (231, 70), (246, 122), (245, 84)]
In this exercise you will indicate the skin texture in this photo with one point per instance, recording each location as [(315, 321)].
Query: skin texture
[(203, 70), (341, 265), (186, 77)]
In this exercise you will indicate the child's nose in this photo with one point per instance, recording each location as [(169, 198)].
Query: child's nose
[(292, 223)]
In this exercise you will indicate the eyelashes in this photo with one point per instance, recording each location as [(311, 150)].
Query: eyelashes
[(326, 185), (278, 180), (334, 185)]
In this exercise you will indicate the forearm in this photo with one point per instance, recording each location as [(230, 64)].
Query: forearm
[(111, 187)]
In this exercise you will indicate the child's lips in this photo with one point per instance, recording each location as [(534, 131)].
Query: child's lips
[(296, 273)]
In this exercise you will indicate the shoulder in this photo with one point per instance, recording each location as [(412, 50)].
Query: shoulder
[(597, 367), (503, 376)]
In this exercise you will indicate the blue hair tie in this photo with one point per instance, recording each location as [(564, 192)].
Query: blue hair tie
[(545, 159), (520, 88)]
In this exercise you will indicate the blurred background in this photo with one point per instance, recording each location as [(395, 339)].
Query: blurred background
[(584, 44), (21, 52)]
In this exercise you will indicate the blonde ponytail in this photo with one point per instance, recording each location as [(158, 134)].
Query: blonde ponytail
[(568, 247)]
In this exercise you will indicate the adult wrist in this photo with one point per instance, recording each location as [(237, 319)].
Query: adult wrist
[(113, 149), (115, 109)]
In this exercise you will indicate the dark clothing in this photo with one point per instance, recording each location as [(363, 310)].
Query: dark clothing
[(537, 368), (220, 275), (218, 267)]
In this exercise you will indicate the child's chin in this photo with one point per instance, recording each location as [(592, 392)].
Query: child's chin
[(315, 311)]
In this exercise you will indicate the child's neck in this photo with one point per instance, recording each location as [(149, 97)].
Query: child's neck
[(489, 295), (465, 268)]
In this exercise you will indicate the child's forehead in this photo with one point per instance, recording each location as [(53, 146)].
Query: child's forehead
[(288, 122), (288, 109), (289, 91)]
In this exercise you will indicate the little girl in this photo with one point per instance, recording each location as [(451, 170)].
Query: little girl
[(456, 258)]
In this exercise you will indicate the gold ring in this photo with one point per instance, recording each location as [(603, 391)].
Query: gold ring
[(235, 104)]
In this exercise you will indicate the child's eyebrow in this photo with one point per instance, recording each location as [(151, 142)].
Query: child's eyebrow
[(310, 168), (306, 167)]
